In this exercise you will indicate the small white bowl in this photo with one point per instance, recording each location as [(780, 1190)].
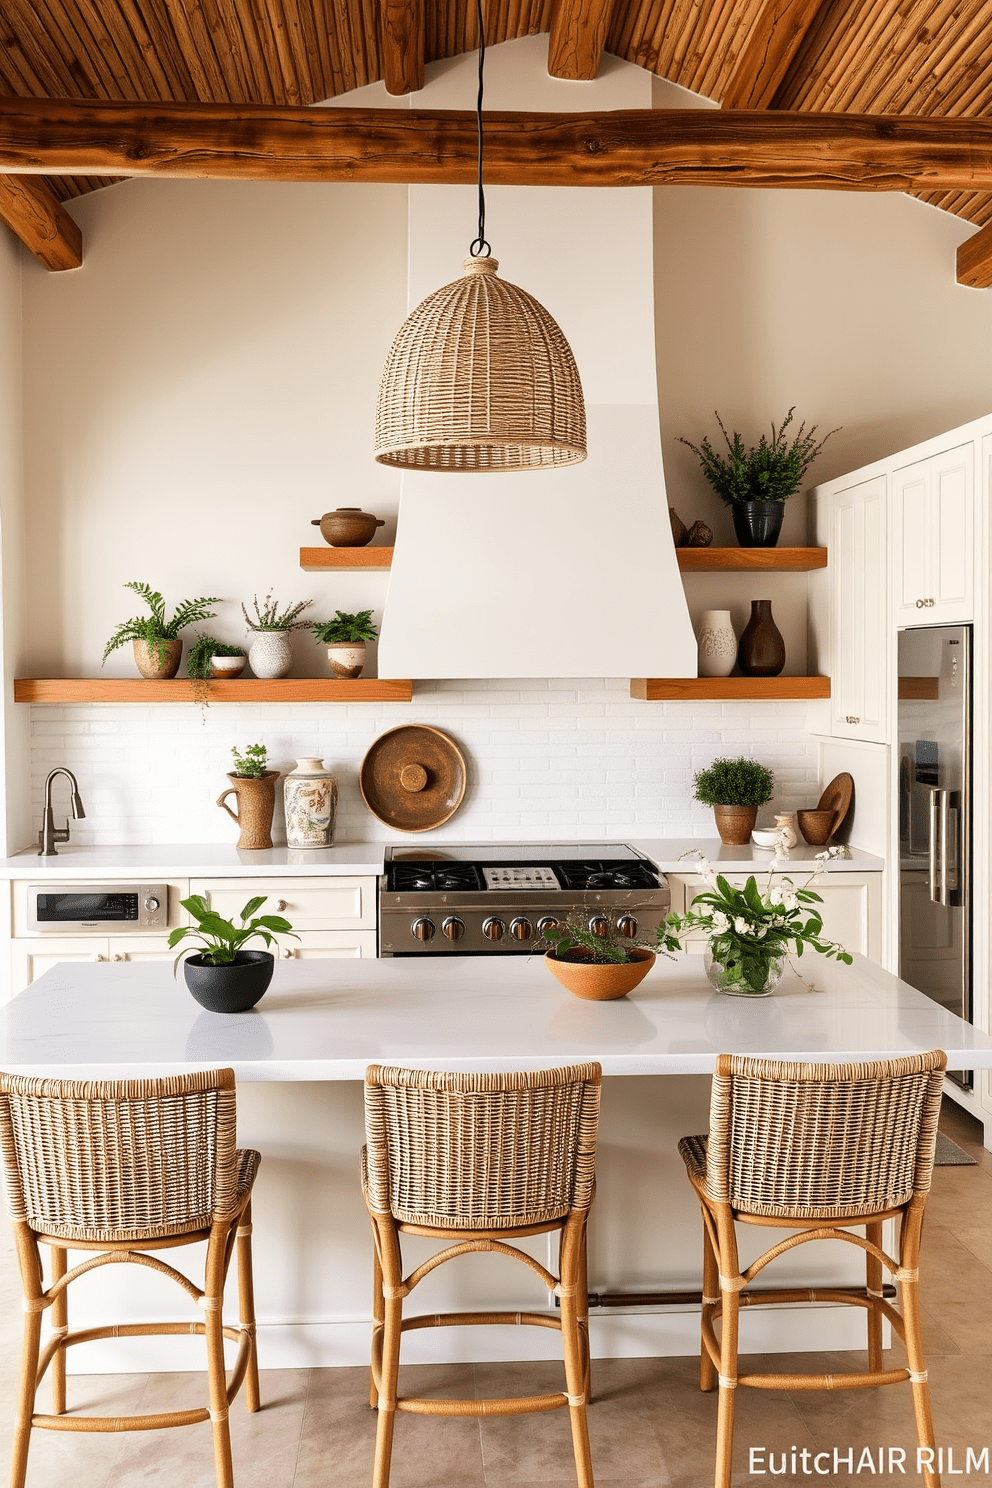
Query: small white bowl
[(765, 836)]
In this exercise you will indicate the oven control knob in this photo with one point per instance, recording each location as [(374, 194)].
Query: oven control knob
[(599, 925), (627, 926), (152, 903), (453, 927), (494, 929), (521, 928), (546, 923), (423, 929)]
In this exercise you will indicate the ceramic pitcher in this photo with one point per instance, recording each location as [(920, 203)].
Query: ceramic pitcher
[(256, 799)]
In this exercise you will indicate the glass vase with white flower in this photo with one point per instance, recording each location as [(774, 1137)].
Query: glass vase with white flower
[(752, 931)]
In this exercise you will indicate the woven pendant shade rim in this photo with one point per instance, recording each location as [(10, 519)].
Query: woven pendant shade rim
[(480, 378)]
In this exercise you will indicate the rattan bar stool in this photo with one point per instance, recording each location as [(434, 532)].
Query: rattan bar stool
[(480, 1160), (815, 1148), (125, 1167)]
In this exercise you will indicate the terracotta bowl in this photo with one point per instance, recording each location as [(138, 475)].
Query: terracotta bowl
[(815, 826), (601, 983)]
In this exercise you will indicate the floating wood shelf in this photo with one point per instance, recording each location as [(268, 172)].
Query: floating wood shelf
[(777, 560), (236, 690), (727, 689), (317, 560)]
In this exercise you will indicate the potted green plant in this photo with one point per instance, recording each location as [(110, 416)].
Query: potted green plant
[(345, 638), (756, 483), (155, 638), (750, 930), (599, 965), (735, 788), (253, 786), (209, 658), (270, 654), (224, 977)]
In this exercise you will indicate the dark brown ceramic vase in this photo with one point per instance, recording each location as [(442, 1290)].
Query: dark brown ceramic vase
[(761, 652)]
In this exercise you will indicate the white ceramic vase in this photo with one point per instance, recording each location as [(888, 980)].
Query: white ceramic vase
[(717, 644), (310, 794), (271, 654), (789, 828)]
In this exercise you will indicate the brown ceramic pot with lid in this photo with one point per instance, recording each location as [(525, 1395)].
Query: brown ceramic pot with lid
[(347, 527)]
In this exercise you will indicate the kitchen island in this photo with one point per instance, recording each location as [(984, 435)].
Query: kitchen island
[(301, 1054)]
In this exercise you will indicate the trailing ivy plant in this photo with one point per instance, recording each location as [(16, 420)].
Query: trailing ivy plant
[(345, 630), (771, 470), (199, 654), (251, 764), (733, 782), (156, 629)]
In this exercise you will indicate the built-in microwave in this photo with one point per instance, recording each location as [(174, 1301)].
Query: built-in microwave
[(78, 908)]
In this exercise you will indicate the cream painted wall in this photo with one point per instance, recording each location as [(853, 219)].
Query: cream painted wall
[(14, 721)]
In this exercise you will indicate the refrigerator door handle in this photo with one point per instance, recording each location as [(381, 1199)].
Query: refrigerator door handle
[(943, 866), (932, 845)]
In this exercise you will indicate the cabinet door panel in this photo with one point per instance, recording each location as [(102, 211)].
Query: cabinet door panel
[(30, 958), (954, 555), (934, 513), (914, 538), (313, 946), (859, 630), (142, 948), (308, 903)]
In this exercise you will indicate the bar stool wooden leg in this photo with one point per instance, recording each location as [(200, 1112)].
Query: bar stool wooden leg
[(212, 1303), (728, 1389), (392, 1324), (909, 1256), (29, 1261), (582, 1304), (873, 1279), (711, 1288), (60, 1324), (573, 1242), (246, 1307), (378, 1319)]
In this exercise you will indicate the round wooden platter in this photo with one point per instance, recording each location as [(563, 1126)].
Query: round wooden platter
[(413, 778), (837, 798)]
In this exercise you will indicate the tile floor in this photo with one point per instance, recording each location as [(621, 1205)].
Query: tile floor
[(650, 1426)]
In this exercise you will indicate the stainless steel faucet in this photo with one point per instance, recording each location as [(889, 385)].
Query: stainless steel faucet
[(49, 834)]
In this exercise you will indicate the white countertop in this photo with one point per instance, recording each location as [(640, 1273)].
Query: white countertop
[(327, 1020), (221, 860), (199, 860)]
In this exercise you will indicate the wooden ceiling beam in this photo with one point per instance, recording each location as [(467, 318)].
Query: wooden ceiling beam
[(640, 147), (401, 45), (578, 35), (975, 259), (778, 32), (41, 222)]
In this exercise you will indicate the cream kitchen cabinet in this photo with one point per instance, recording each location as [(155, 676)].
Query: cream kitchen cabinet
[(30, 956), (851, 908), (933, 532), (332, 916), (848, 627)]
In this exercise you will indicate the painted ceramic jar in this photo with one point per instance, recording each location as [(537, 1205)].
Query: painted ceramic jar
[(717, 644), (311, 797), (271, 654)]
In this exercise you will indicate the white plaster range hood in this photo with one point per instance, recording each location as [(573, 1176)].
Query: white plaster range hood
[(565, 573)]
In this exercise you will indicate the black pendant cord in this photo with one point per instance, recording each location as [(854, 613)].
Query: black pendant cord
[(479, 248)]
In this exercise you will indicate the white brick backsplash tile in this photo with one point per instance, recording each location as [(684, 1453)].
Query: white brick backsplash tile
[(556, 757)]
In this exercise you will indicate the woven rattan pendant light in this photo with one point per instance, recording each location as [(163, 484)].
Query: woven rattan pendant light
[(480, 376)]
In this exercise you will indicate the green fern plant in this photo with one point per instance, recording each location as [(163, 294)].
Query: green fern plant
[(772, 470), (345, 630), (199, 655), (157, 629)]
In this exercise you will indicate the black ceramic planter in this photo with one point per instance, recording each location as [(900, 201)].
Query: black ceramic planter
[(757, 523), (233, 988)]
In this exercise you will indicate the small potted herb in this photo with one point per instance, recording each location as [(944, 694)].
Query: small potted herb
[(223, 977), (208, 658), (345, 638), (735, 788), (155, 638), (599, 965), (756, 483), (270, 654), (253, 785)]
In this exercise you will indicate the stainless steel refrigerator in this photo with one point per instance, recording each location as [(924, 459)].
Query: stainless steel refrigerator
[(935, 816)]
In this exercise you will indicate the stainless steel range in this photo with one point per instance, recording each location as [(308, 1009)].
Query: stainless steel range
[(498, 899)]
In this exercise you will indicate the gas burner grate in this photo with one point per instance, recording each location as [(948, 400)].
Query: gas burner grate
[(606, 875), (434, 877)]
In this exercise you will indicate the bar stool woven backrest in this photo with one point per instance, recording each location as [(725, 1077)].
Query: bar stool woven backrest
[(481, 1151), (820, 1141), (120, 1160)]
